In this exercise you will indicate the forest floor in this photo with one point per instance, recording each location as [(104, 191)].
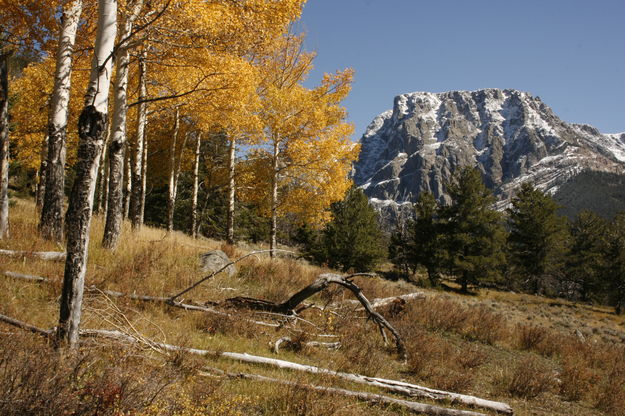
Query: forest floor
[(541, 356)]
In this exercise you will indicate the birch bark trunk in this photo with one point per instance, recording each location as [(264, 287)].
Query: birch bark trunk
[(196, 184), (4, 143), (144, 179), (274, 199), (171, 197), (127, 183), (117, 147), (91, 129), (138, 160), (51, 223), (231, 190)]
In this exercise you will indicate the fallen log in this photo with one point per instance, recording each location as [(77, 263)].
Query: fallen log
[(26, 277), (394, 386), (43, 255), (289, 306), (419, 408), (381, 302)]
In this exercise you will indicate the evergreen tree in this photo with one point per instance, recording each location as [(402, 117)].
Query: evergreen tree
[(585, 260), (398, 249), (352, 239), (472, 230), (537, 239), (425, 237), (614, 272)]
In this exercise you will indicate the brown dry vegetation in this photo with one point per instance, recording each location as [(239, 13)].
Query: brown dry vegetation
[(520, 349)]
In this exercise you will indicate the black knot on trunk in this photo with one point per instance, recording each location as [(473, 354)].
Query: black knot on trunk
[(91, 123)]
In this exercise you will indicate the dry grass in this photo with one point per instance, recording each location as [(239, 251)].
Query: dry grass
[(498, 345)]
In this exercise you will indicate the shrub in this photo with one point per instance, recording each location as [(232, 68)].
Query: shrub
[(528, 379)]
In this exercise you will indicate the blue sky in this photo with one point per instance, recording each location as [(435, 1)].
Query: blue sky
[(570, 53)]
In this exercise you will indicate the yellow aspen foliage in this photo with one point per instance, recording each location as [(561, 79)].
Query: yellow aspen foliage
[(304, 161), (31, 95)]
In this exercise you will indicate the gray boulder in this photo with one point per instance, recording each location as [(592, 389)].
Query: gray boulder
[(214, 260)]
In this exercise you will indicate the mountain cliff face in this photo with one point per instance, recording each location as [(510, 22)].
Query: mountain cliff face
[(510, 136)]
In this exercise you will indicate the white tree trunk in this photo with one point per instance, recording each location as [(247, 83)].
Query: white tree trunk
[(138, 160), (231, 190), (274, 197), (196, 184), (51, 224), (127, 183), (171, 188), (144, 177), (116, 156), (4, 143), (92, 129)]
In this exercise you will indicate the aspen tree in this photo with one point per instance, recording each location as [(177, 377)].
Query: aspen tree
[(117, 145), (51, 222), (92, 128)]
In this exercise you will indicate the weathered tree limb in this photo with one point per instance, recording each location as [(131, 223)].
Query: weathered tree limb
[(202, 280), (25, 277), (324, 280), (394, 386), (289, 341), (43, 255), (419, 408), (27, 327), (381, 302)]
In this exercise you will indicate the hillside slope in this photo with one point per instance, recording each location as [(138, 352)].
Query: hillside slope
[(542, 356)]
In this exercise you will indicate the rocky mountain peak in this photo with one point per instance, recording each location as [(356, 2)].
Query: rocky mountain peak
[(509, 135)]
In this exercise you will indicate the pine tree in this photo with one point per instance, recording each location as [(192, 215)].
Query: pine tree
[(353, 239), (537, 239), (472, 230), (585, 259), (614, 271), (425, 237), (398, 249)]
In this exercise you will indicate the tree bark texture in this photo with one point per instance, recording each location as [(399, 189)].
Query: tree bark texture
[(51, 223), (196, 184), (4, 144), (92, 126), (274, 199), (136, 195), (171, 196), (116, 150), (231, 190)]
